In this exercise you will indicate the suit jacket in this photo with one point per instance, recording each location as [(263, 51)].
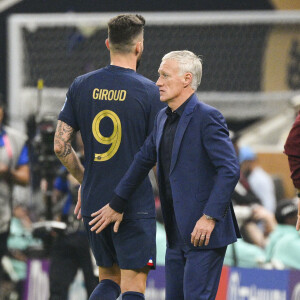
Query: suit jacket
[(203, 174)]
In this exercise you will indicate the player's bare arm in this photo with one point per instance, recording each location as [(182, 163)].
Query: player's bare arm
[(64, 151)]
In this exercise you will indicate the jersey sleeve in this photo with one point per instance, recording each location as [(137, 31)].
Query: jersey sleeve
[(67, 113)]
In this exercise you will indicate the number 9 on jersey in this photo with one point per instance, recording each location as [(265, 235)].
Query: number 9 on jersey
[(114, 139)]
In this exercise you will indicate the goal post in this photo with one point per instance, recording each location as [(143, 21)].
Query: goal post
[(251, 64)]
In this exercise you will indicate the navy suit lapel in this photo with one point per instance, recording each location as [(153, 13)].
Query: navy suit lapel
[(160, 129), (182, 125), (161, 125)]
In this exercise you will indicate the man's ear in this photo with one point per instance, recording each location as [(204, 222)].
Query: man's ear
[(188, 77), (107, 44), (138, 48)]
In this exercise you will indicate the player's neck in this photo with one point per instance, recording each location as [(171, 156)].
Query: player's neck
[(123, 61)]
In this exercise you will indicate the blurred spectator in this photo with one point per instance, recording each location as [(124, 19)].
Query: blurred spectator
[(161, 244), (161, 238), (70, 250), (19, 242), (249, 252), (260, 225), (260, 182), (292, 150), (242, 194), (284, 242), (245, 255), (14, 169)]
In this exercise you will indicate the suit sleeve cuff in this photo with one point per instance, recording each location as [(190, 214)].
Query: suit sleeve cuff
[(212, 214), (118, 204)]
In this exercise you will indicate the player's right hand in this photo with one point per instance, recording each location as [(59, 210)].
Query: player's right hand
[(77, 210), (103, 217)]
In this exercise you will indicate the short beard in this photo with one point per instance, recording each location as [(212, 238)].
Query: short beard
[(138, 63)]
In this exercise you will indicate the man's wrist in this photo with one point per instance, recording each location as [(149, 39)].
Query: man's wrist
[(118, 204), (209, 217)]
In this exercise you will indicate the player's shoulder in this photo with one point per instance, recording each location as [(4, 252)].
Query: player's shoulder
[(132, 77), (148, 89), (143, 79), (147, 83), (81, 79)]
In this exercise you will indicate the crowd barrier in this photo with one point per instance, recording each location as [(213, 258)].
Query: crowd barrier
[(235, 284)]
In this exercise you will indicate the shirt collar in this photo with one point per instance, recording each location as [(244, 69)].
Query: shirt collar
[(179, 111)]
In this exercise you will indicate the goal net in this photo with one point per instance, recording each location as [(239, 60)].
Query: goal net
[(251, 60)]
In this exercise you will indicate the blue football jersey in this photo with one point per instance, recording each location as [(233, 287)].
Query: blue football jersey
[(114, 108)]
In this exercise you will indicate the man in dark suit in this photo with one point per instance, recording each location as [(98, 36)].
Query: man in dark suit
[(197, 171)]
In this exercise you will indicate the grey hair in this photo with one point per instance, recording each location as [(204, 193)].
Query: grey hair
[(187, 62)]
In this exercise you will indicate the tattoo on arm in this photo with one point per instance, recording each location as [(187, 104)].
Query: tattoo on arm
[(64, 151), (62, 141)]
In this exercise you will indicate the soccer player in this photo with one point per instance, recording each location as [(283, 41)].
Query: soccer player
[(114, 109)]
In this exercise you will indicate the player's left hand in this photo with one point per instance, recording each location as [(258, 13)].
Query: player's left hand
[(202, 231), (103, 217)]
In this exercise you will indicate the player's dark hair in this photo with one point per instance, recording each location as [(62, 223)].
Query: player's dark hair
[(123, 29)]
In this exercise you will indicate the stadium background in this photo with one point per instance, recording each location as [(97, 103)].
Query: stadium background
[(255, 67)]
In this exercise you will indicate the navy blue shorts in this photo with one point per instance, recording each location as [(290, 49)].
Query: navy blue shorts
[(132, 247)]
